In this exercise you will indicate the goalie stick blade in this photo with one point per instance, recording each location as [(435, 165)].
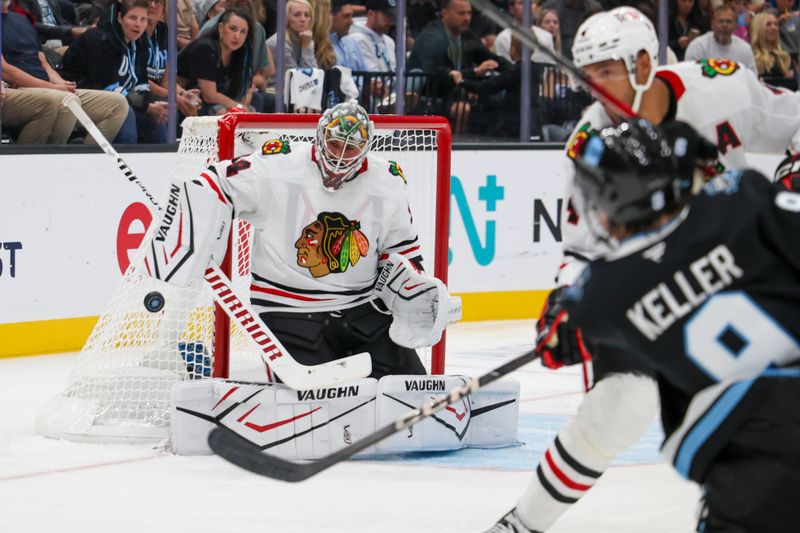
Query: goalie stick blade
[(236, 449), (303, 377)]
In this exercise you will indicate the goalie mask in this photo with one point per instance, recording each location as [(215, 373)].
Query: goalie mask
[(341, 144), (618, 34), (633, 172)]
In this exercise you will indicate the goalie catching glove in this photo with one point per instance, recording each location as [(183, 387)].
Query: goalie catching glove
[(192, 232), (420, 305), (559, 343)]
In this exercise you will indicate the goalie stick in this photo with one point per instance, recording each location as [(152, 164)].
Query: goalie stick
[(236, 449), (528, 38), (294, 374)]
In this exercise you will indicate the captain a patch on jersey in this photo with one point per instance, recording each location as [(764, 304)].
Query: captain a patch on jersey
[(330, 244)]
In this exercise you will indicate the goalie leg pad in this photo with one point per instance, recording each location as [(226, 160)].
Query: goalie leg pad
[(193, 231), (489, 418), (421, 306), (284, 422), (314, 423)]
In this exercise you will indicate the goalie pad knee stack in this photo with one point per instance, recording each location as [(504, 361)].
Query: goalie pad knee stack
[(314, 423), (487, 418), (282, 421)]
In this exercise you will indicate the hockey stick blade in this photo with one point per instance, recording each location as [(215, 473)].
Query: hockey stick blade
[(237, 450), (294, 374), (493, 13)]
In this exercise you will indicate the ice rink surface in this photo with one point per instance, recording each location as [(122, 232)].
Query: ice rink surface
[(57, 486)]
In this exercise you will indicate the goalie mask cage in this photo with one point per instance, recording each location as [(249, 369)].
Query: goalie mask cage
[(120, 386)]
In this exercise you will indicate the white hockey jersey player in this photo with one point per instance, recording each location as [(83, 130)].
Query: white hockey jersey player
[(314, 249), (747, 116)]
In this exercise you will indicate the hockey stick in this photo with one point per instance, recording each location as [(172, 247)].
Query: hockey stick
[(236, 449), (529, 39), (294, 374)]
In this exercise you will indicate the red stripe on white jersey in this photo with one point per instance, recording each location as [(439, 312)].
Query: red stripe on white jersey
[(214, 187), (285, 294)]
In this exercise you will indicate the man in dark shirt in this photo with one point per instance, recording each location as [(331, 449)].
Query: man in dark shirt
[(447, 45)]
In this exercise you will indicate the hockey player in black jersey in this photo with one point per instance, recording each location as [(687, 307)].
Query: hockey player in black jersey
[(706, 290)]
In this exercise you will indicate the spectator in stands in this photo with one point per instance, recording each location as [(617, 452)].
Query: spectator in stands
[(720, 42), (509, 81), (37, 118), (502, 45), (570, 15), (554, 82), (113, 57), (320, 30), (188, 28), (789, 26), (52, 25), (772, 61), (218, 63), (298, 50), (262, 62), (156, 34), (548, 21), (341, 20), (685, 25), (368, 47), (446, 45), (42, 89)]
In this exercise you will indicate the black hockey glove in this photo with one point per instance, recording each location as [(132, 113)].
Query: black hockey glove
[(556, 340), (788, 172)]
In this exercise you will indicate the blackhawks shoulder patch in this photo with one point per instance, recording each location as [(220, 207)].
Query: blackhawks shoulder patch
[(275, 146), (578, 139), (712, 67)]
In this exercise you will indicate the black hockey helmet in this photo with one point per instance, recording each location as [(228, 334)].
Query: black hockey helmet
[(634, 171)]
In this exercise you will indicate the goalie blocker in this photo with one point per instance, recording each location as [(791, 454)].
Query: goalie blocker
[(193, 232), (314, 423)]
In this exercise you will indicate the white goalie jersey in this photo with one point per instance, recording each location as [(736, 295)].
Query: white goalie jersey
[(315, 250), (724, 102)]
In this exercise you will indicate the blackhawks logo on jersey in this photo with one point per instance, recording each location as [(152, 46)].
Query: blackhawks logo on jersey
[(712, 67), (395, 170), (577, 141), (275, 146), (331, 244)]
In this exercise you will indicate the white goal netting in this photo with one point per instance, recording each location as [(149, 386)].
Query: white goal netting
[(120, 386)]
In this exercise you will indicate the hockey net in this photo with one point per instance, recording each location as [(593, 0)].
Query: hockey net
[(120, 386)]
